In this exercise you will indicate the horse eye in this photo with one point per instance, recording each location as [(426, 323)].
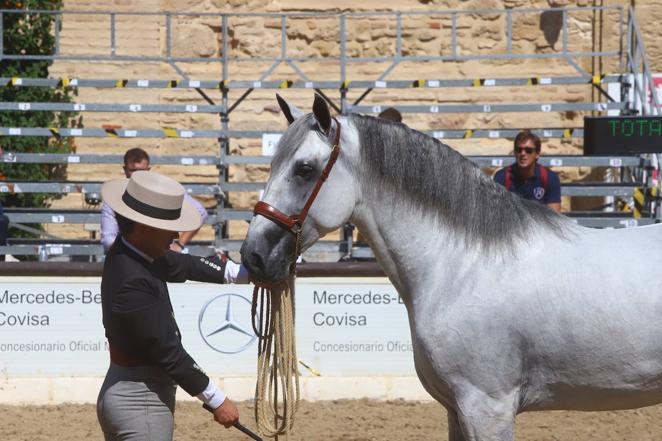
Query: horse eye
[(304, 170)]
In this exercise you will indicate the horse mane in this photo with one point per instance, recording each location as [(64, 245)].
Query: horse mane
[(439, 180)]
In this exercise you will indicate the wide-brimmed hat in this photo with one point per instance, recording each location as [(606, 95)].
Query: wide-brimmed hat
[(152, 199)]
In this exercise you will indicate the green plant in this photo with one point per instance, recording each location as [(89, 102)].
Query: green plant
[(26, 33)]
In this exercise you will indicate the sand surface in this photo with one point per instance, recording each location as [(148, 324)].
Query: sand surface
[(359, 420)]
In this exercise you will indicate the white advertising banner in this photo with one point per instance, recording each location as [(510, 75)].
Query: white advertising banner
[(345, 326)]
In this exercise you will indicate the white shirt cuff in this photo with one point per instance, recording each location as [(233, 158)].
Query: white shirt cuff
[(235, 273), (212, 396)]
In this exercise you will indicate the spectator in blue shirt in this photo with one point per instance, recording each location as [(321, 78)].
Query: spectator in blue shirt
[(528, 178)]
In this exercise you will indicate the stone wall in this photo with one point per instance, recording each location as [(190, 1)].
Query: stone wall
[(250, 37)]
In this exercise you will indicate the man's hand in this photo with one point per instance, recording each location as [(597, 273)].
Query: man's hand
[(227, 413)]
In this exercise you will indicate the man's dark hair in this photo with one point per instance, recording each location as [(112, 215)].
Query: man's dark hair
[(526, 135), (134, 155), (391, 114), (124, 225)]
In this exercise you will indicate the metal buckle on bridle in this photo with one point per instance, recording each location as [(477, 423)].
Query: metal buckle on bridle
[(296, 229)]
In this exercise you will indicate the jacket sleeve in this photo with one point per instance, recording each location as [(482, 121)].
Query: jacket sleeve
[(176, 267), (148, 319)]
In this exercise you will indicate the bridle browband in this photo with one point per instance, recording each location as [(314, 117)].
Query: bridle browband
[(294, 223)]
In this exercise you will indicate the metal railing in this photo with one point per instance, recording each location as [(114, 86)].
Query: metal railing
[(640, 89), (351, 92)]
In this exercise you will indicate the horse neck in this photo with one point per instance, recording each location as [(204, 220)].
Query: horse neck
[(409, 245)]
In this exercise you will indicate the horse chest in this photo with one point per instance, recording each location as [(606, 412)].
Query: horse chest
[(438, 347), (431, 378)]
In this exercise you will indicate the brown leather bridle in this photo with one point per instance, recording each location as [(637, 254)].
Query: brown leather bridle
[(294, 223)]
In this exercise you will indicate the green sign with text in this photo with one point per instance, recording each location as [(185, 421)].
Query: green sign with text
[(622, 135)]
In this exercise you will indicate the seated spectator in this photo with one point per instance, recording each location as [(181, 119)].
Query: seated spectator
[(528, 178), (137, 159)]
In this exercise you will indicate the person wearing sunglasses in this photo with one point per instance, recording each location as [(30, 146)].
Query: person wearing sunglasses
[(528, 178)]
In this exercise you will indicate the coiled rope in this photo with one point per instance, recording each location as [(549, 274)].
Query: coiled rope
[(277, 391), (274, 326)]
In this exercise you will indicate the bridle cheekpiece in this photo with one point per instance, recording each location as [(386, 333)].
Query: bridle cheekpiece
[(294, 223)]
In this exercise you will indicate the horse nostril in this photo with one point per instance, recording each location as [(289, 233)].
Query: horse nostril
[(257, 262)]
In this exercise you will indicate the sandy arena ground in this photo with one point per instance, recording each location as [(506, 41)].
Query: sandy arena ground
[(357, 420)]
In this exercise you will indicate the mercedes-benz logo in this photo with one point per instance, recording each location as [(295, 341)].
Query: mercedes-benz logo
[(230, 335)]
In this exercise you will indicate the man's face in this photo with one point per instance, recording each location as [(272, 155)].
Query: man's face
[(155, 242), (135, 166), (526, 154)]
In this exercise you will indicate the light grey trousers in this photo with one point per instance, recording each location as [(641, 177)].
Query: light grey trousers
[(136, 404)]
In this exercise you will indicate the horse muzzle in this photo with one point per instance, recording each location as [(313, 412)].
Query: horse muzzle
[(267, 259)]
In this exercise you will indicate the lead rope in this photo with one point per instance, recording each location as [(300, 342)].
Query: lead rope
[(277, 371)]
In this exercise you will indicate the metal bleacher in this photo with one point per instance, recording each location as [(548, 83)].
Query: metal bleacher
[(346, 95)]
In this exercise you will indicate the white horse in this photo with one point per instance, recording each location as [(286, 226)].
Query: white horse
[(511, 307)]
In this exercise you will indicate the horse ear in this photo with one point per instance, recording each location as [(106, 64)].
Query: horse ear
[(291, 112), (321, 112)]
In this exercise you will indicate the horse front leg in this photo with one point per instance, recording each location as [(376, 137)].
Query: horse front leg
[(482, 417), (454, 428)]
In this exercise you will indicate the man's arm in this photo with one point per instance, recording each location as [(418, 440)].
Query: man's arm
[(499, 176), (176, 267), (186, 236), (554, 192), (183, 240), (109, 227)]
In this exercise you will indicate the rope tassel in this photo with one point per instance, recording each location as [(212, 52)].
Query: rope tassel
[(277, 372)]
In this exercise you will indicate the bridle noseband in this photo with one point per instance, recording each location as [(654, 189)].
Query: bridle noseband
[(294, 223)]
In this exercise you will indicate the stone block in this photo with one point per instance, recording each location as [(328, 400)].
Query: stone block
[(326, 48), (195, 40), (425, 35)]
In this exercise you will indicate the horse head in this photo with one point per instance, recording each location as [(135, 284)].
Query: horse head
[(296, 209)]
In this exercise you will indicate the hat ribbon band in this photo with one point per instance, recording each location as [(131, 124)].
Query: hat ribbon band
[(149, 210)]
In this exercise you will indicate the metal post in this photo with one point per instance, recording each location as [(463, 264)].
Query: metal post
[(343, 99), (509, 31), (283, 38), (629, 43), (343, 64), (168, 36), (224, 22), (620, 39), (43, 254), (565, 32), (2, 35), (398, 34), (112, 34), (58, 22), (454, 35), (221, 226), (628, 77)]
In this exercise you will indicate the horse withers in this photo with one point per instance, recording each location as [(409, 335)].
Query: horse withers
[(511, 307)]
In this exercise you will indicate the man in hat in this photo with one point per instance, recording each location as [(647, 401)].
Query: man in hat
[(147, 359), (137, 159)]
